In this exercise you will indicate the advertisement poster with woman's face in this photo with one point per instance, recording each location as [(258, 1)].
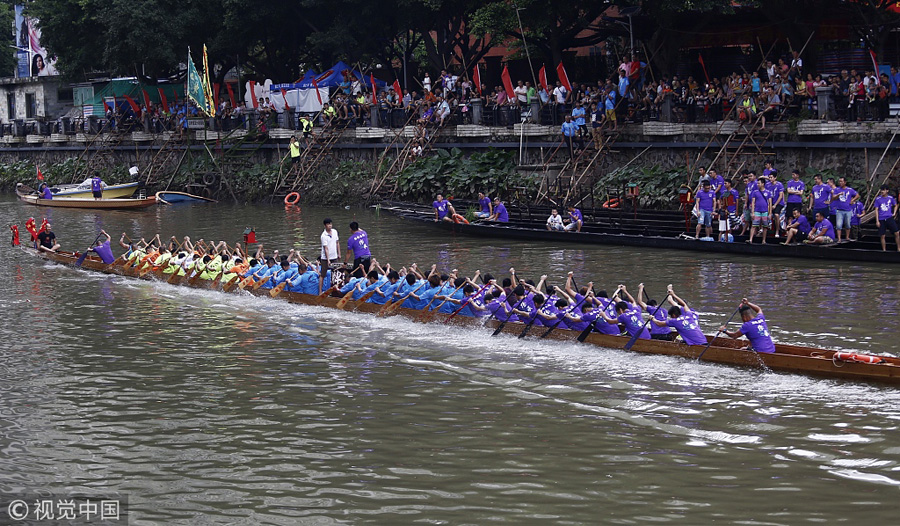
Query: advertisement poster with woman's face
[(33, 59)]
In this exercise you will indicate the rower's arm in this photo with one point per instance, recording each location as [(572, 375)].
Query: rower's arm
[(569, 290), (657, 322), (755, 307), (540, 285), (640, 297)]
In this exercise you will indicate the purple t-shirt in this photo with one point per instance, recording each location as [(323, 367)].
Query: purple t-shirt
[(687, 328), (757, 332), (96, 184), (48, 193), (762, 200), (602, 326), (547, 309), (795, 185), (734, 193), (802, 224), (441, 207), (485, 204), (826, 224), (858, 209), (105, 252), (841, 198), (634, 324), (707, 199), (885, 207), (717, 184), (821, 193), (575, 216), (358, 242), (502, 216), (660, 314), (776, 190), (767, 172)]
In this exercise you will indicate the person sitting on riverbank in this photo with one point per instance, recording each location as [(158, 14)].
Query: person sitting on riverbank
[(576, 219), (486, 209), (754, 328), (443, 210), (822, 233), (555, 221), (797, 229), (500, 214)]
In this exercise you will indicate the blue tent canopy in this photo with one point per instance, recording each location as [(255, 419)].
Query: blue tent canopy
[(333, 77), (296, 85)]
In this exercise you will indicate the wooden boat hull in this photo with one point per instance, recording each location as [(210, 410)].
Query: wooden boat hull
[(845, 252), (182, 197), (101, 204), (787, 358)]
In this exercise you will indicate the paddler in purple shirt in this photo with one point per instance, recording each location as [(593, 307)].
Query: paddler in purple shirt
[(486, 209), (500, 214), (443, 210), (104, 251), (886, 209), (754, 328), (630, 317), (684, 320), (657, 312)]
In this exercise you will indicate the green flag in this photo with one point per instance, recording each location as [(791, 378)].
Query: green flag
[(195, 86)]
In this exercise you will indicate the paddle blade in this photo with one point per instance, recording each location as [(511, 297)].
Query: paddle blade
[(277, 289), (499, 328), (381, 312), (632, 341), (81, 259), (321, 297), (231, 284), (525, 330), (585, 333)]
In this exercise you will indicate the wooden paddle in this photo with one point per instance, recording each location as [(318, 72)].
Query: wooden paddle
[(365, 297), (563, 317), (260, 283), (393, 305), (503, 323), (718, 332), (231, 284), (82, 257), (343, 301), (276, 290), (461, 307), (321, 297), (427, 315)]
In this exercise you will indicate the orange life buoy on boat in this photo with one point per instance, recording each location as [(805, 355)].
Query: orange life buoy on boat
[(612, 203), (291, 198), (844, 356), (459, 219)]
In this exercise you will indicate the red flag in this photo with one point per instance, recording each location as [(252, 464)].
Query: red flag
[(15, 234), (542, 78), (176, 97), (253, 94), (374, 89), (216, 93), (703, 65), (146, 98), (30, 227), (40, 176), (476, 77), (316, 86), (507, 83), (397, 89), (563, 78), (44, 224), (107, 106), (230, 94), (134, 105), (284, 96), (163, 100)]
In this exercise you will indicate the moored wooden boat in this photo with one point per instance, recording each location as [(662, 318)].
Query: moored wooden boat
[(99, 204), (787, 358), (182, 197), (83, 190)]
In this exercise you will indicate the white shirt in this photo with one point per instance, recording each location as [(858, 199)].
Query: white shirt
[(521, 93), (560, 93), (555, 221), (329, 243), (426, 82)]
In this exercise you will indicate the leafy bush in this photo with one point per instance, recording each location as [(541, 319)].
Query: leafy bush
[(449, 172)]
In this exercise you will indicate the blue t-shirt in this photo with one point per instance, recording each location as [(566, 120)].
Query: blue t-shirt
[(569, 129), (757, 332)]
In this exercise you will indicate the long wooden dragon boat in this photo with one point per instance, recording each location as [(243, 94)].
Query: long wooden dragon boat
[(723, 350)]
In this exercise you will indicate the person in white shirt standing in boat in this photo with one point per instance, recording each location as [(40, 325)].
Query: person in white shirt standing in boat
[(331, 252)]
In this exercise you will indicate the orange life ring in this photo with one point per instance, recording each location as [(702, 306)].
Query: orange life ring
[(459, 219), (844, 356), (291, 198), (612, 203)]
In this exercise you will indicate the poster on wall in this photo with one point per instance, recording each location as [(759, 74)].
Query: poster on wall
[(33, 59)]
